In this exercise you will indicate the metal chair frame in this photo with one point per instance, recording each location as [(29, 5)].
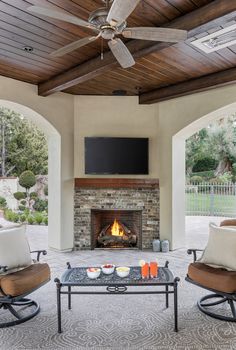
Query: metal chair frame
[(223, 297), (8, 302)]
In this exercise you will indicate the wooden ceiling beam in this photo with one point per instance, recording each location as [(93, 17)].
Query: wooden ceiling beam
[(207, 82), (207, 17)]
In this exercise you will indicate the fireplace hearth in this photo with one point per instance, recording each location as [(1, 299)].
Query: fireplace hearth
[(116, 228)]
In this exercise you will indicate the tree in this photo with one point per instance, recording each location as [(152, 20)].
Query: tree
[(22, 145), (27, 180), (216, 142), (222, 143), (196, 149)]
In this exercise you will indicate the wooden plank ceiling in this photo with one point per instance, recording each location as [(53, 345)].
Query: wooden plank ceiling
[(160, 69)]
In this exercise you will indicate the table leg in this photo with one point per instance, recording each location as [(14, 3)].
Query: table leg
[(176, 280), (167, 297), (58, 284), (69, 297)]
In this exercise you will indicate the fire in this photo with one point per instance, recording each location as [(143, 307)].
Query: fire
[(116, 229)]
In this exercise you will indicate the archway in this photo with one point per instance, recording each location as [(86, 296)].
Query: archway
[(54, 168), (178, 170)]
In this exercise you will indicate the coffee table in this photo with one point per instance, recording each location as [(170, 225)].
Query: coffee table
[(74, 279)]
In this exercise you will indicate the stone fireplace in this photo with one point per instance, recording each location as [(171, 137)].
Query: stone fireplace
[(101, 204)]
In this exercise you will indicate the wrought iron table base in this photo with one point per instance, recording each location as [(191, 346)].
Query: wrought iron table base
[(116, 289)]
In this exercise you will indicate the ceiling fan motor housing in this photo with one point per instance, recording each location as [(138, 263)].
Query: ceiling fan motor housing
[(98, 18)]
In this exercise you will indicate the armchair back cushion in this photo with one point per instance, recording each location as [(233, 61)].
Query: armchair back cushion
[(228, 222), (14, 248), (221, 248)]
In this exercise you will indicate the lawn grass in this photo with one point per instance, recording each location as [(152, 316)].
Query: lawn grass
[(213, 205)]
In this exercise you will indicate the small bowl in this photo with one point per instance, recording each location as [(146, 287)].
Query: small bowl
[(123, 271), (108, 269), (93, 272)]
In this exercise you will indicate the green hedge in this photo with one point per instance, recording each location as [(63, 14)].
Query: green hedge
[(205, 164), (26, 217), (204, 174)]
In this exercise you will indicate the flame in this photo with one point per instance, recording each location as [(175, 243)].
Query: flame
[(116, 229)]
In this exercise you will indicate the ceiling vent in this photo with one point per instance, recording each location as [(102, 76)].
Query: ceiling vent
[(218, 40)]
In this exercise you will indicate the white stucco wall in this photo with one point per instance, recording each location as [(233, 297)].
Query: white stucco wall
[(178, 119), (8, 186), (55, 116), (114, 116)]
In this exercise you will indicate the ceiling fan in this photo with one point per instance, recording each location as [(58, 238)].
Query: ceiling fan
[(109, 22)]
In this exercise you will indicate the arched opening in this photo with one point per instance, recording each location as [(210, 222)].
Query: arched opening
[(54, 168), (178, 170)]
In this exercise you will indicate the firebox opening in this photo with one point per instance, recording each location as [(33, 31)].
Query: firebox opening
[(116, 229)]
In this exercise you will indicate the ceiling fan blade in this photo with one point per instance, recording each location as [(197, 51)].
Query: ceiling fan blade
[(120, 10), (155, 34), (121, 53), (62, 16), (73, 46)]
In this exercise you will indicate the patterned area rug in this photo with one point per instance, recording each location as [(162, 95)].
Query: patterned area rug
[(118, 322)]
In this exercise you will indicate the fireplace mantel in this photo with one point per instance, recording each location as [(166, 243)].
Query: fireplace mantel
[(115, 183)]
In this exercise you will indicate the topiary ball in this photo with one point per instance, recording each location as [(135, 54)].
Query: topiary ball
[(27, 179)]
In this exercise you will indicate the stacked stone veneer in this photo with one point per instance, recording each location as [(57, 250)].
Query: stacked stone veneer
[(85, 199)]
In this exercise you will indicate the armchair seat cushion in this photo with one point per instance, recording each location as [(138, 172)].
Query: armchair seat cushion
[(24, 281), (214, 278)]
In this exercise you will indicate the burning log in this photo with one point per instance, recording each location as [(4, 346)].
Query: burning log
[(116, 234)]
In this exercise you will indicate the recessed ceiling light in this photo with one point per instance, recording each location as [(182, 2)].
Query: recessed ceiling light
[(28, 49), (218, 40)]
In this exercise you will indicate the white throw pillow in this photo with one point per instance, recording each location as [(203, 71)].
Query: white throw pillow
[(221, 247), (14, 248)]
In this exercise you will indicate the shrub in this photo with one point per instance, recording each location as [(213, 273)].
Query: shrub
[(234, 169), (15, 217), (22, 218), (3, 203), (23, 202), (8, 214), (196, 179), (26, 212), (205, 164), (46, 190), (33, 195), (19, 195), (206, 175), (45, 220), (31, 220), (40, 204), (22, 208), (27, 179), (234, 172), (226, 177), (38, 218), (214, 180)]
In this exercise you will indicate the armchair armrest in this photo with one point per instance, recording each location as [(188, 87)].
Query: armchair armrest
[(39, 252), (194, 252), (3, 268)]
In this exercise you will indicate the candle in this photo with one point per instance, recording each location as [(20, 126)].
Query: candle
[(145, 270), (153, 269)]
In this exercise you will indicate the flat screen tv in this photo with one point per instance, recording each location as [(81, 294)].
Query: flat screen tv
[(116, 155)]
